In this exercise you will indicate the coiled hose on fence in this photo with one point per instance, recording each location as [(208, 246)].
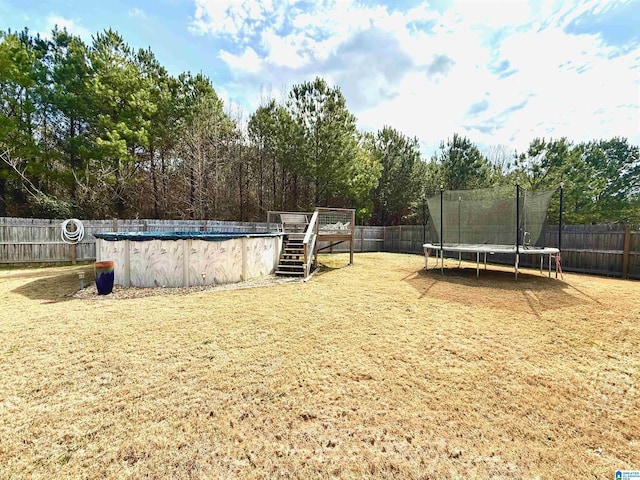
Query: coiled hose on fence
[(72, 236)]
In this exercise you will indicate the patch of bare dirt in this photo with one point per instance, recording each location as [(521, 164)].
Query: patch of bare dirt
[(119, 292)]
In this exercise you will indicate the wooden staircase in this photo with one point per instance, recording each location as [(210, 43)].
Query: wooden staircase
[(302, 230), (291, 262)]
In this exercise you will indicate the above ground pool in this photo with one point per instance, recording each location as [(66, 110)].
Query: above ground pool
[(183, 259)]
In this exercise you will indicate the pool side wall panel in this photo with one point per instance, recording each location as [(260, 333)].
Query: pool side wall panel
[(162, 263)]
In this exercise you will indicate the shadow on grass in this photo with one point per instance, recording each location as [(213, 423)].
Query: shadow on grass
[(323, 269), (532, 293), (39, 270), (54, 287)]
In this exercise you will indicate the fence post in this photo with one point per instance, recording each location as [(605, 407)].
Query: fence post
[(384, 238), (352, 243), (114, 224), (625, 253), (72, 250), (73, 253)]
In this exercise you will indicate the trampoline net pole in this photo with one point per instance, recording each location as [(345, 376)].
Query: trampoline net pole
[(517, 226), (559, 232), (441, 230)]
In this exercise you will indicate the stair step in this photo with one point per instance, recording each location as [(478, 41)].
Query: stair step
[(290, 264), (287, 269), (287, 273)]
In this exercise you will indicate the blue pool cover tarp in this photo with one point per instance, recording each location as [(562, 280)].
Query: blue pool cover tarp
[(207, 236)]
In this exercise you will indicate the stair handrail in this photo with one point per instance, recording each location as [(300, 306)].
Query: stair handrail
[(309, 242)]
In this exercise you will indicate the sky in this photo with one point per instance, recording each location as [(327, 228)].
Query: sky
[(500, 73)]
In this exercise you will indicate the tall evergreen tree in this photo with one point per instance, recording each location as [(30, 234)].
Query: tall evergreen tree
[(122, 102), (463, 166), (402, 176), (329, 143)]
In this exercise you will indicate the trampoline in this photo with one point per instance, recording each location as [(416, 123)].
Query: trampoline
[(492, 221), (550, 252)]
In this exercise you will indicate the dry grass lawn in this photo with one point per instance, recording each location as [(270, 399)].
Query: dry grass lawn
[(376, 370)]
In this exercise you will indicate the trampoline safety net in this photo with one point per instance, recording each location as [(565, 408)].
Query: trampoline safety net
[(488, 216)]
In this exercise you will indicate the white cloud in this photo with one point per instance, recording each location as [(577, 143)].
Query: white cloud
[(138, 13), (72, 26), (420, 70), (570, 78), (560, 12), (489, 15), (283, 51), (229, 17), (248, 62)]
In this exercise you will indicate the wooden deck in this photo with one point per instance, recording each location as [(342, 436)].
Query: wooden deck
[(333, 225)]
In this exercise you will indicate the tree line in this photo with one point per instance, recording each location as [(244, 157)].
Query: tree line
[(101, 130)]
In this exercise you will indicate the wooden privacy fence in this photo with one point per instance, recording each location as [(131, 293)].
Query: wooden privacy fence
[(599, 249), (33, 240), (610, 250)]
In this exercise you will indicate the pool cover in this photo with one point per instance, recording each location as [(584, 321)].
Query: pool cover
[(207, 236)]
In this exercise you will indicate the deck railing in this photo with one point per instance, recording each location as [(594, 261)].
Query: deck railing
[(309, 243), (274, 221)]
